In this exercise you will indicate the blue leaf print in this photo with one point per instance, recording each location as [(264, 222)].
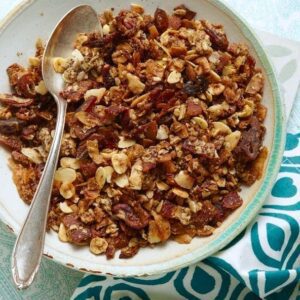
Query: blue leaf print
[(292, 141), (288, 71), (275, 236), (261, 253), (275, 279), (125, 288), (284, 188), (202, 282), (278, 51)]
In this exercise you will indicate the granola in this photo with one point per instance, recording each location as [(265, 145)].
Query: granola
[(164, 125)]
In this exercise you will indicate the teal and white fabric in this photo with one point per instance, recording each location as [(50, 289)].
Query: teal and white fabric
[(264, 260)]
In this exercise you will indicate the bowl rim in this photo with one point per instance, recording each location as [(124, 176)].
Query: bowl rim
[(248, 213)]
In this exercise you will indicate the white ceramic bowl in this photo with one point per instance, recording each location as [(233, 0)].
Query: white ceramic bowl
[(33, 19)]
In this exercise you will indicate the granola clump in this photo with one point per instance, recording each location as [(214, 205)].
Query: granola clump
[(164, 125)]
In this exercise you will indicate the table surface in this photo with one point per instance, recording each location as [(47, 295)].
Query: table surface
[(275, 16)]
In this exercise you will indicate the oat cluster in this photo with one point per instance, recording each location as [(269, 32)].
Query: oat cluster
[(164, 125)]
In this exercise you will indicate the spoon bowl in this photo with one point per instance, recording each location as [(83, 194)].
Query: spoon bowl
[(80, 19), (27, 253)]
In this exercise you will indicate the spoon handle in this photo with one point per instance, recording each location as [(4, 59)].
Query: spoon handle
[(28, 249)]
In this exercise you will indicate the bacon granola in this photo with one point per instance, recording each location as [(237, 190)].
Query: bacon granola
[(164, 125)]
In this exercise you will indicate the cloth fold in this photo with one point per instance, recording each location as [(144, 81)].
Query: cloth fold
[(264, 260)]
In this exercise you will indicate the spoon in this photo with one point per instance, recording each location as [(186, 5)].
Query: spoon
[(28, 249)]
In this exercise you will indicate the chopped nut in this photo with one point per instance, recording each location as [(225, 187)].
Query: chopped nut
[(162, 132), (184, 180), (220, 127), (32, 154), (231, 140), (194, 206), (122, 181), (108, 171), (67, 190), (139, 100), (66, 175), (87, 119), (255, 85), (136, 175), (183, 214), (98, 245), (120, 162), (41, 88), (59, 64), (216, 89), (153, 31), (100, 177), (201, 122), (77, 55), (247, 110), (103, 174), (69, 162), (137, 8), (229, 70), (180, 193), (218, 109), (204, 65), (159, 229), (214, 76), (183, 238), (62, 233), (125, 143), (205, 231), (134, 84), (106, 29), (180, 112), (174, 77), (150, 194), (65, 208), (34, 61), (162, 186), (97, 93), (93, 151)]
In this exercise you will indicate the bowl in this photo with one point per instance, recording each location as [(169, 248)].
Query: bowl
[(33, 19)]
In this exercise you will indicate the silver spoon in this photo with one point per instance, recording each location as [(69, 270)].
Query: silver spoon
[(28, 249)]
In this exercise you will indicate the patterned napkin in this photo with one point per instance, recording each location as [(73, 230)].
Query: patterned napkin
[(264, 260)]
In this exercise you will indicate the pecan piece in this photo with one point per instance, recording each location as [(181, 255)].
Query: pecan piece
[(232, 201), (174, 22), (168, 209), (129, 251), (217, 37), (14, 71), (193, 108), (10, 126), (186, 12), (75, 92), (128, 23), (25, 86), (15, 101), (136, 218), (11, 142), (250, 142), (161, 20), (79, 235)]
